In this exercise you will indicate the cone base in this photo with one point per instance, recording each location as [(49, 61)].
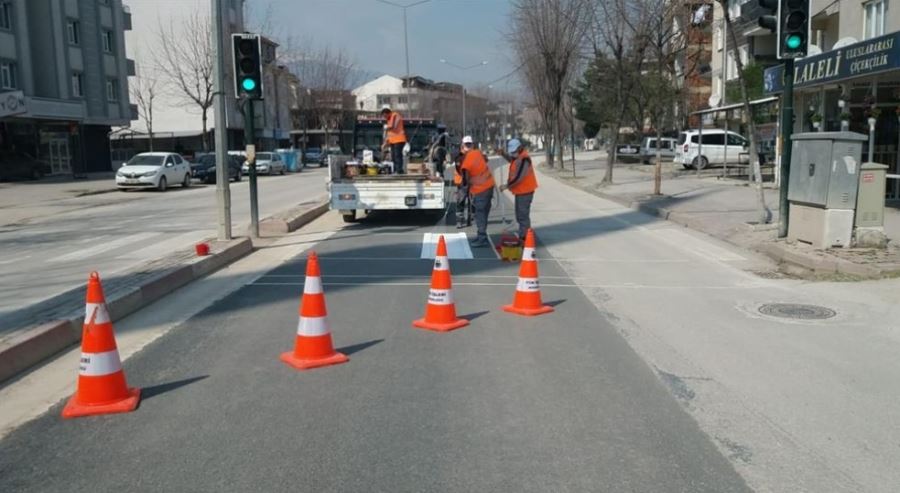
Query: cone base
[(528, 312), (308, 364), (75, 410), (437, 327)]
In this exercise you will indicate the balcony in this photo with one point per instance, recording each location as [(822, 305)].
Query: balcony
[(126, 17), (130, 68)]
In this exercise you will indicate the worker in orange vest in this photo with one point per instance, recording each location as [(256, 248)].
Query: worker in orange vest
[(522, 182), (463, 204), (395, 138), (480, 181)]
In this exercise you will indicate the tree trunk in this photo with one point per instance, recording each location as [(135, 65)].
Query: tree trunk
[(611, 156), (150, 136), (204, 141), (657, 171)]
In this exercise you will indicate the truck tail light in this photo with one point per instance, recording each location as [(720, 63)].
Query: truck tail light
[(347, 196), (685, 148)]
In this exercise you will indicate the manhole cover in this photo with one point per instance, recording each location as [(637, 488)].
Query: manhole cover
[(796, 311)]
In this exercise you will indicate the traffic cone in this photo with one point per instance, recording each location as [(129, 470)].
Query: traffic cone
[(440, 310), (313, 347), (101, 387), (527, 300)]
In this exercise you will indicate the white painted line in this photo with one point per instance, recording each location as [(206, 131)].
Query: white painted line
[(391, 276), (14, 260), (512, 286), (166, 247), (457, 245), (693, 244), (103, 247)]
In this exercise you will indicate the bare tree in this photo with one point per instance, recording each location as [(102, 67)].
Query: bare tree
[(765, 215), (185, 56), (144, 92), (548, 39)]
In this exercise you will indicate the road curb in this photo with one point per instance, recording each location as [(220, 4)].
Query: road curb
[(32, 346), (293, 219)]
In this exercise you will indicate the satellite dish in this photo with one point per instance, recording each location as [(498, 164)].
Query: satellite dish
[(714, 100), (813, 50), (849, 40)]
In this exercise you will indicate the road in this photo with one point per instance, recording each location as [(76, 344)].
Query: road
[(52, 250), (554, 403)]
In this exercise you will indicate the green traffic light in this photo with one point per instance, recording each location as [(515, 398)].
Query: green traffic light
[(793, 41), (248, 84)]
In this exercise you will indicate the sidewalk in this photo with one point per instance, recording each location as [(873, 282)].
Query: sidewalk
[(725, 208)]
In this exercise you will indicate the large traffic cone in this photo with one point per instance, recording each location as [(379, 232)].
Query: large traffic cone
[(440, 311), (101, 387), (313, 347), (527, 300)]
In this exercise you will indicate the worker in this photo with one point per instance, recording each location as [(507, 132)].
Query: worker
[(394, 137), (463, 204), (439, 147), (522, 182), (480, 181)]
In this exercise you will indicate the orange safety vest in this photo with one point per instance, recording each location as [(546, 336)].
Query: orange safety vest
[(395, 132), (528, 183), (480, 177)]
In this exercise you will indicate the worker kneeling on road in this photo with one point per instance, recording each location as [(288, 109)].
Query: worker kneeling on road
[(478, 176), (395, 138), (522, 182)]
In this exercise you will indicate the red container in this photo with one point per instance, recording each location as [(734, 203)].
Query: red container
[(202, 249)]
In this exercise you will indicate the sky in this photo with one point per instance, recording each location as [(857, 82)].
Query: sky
[(464, 32)]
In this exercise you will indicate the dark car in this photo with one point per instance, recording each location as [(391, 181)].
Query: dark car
[(18, 166), (205, 168), (313, 155)]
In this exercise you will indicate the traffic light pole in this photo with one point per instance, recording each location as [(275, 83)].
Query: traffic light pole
[(223, 191), (787, 128), (251, 166)]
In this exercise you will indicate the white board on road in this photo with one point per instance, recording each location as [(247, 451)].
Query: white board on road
[(457, 245)]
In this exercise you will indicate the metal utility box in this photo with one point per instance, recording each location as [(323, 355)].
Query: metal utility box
[(870, 198), (822, 190)]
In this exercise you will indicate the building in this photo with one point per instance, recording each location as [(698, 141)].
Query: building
[(693, 65), (324, 118), (851, 79), (67, 58)]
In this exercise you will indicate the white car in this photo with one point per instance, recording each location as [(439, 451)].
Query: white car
[(267, 163), (154, 170), (714, 149)]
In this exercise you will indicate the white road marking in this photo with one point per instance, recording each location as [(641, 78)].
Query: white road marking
[(165, 247), (457, 245), (694, 244), (368, 276), (103, 247), (512, 286)]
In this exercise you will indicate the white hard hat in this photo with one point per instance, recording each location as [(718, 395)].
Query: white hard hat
[(468, 140), (386, 107)]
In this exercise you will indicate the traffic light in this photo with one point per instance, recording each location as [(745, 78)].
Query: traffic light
[(248, 80), (793, 22), (770, 20)]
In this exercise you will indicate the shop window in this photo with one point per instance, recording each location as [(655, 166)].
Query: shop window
[(8, 75), (112, 90), (73, 31), (77, 84), (873, 18), (6, 15)]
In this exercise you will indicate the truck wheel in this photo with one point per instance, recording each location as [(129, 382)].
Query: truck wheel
[(349, 217)]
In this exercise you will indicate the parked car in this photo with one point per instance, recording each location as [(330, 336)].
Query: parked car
[(20, 166), (267, 163), (154, 170), (313, 155), (205, 168), (328, 151), (714, 149), (666, 149)]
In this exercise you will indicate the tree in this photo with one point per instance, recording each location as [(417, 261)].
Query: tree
[(548, 39), (185, 60), (144, 92), (765, 215)]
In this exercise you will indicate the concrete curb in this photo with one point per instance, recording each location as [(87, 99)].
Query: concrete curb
[(28, 348), (292, 220)]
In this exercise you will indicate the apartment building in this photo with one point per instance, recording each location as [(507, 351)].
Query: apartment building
[(65, 60)]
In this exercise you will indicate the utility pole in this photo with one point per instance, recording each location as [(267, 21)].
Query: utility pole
[(787, 128), (223, 190), (250, 142), (406, 42)]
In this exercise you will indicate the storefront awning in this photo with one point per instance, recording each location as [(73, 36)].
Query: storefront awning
[(736, 106), (870, 57)]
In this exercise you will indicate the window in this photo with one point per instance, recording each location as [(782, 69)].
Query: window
[(873, 19), (736, 140), (107, 38), (714, 140), (104, 2), (77, 84), (8, 75), (5, 15), (112, 90), (73, 29), (719, 38), (383, 100)]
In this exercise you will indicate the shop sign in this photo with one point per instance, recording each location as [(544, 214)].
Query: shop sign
[(12, 103), (868, 57)]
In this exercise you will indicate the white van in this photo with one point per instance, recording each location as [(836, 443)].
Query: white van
[(648, 149), (714, 150)]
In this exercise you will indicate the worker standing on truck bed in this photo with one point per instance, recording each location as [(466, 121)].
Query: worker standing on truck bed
[(480, 180), (522, 182), (395, 138)]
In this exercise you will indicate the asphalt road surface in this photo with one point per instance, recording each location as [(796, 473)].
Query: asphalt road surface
[(114, 232), (554, 403)]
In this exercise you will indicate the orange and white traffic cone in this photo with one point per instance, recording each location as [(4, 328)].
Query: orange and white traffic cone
[(101, 387), (440, 311), (527, 300), (313, 347)]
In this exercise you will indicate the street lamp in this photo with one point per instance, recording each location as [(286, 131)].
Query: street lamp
[(405, 37), (468, 67)]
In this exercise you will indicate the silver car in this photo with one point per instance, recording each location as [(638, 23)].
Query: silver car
[(267, 163)]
